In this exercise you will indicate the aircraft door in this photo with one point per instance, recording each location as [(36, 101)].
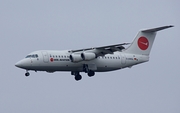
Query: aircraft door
[(123, 58), (45, 56)]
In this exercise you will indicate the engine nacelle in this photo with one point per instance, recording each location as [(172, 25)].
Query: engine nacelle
[(75, 58), (88, 56)]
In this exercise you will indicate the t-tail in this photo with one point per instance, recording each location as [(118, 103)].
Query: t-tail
[(143, 42)]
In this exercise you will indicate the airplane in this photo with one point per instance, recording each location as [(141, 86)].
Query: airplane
[(91, 60)]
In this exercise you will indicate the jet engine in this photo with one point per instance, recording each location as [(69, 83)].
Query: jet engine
[(75, 58), (88, 56)]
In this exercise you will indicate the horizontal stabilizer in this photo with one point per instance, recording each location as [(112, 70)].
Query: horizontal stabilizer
[(157, 29)]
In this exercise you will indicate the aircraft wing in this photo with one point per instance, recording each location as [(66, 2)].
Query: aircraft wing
[(101, 51)]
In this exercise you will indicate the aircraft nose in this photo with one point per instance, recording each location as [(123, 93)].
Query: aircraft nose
[(19, 64), (23, 63)]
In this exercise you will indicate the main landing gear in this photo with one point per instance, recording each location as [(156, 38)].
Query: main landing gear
[(89, 72), (77, 76)]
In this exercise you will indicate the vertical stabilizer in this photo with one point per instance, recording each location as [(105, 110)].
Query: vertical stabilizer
[(143, 42)]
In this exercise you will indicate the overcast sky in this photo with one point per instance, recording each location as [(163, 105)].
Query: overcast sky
[(26, 26)]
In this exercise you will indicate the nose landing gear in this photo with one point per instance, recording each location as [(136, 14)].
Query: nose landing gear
[(27, 73)]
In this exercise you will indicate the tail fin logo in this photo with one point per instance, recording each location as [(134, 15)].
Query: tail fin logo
[(143, 43)]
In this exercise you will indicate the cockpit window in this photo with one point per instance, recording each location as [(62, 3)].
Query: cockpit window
[(28, 56), (36, 55), (32, 56)]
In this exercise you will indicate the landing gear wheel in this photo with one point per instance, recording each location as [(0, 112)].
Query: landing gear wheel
[(91, 73), (27, 74), (78, 77)]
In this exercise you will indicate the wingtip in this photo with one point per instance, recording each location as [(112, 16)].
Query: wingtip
[(171, 26)]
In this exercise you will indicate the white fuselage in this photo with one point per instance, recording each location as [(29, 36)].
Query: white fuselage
[(51, 61)]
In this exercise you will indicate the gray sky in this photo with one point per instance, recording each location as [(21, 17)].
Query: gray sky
[(26, 26)]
